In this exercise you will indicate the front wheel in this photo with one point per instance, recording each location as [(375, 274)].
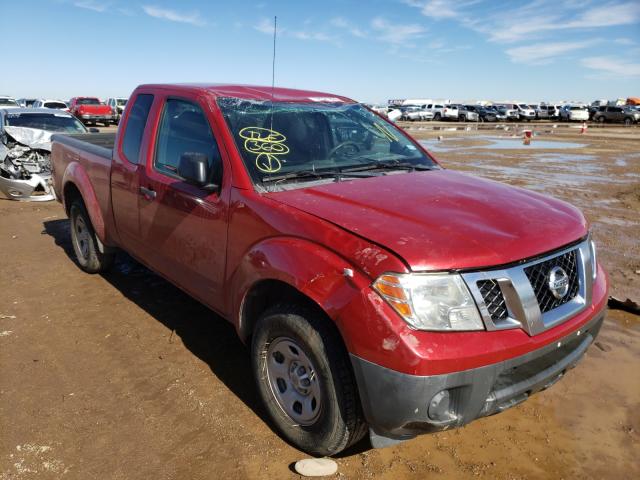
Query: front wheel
[(304, 378), (85, 242)]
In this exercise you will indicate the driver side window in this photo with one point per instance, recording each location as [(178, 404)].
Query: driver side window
[(184, 128)]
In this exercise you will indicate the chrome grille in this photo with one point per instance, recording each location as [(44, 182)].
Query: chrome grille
[(493, 299), (538, 275), (520, 296)]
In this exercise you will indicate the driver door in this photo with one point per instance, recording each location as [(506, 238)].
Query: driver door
[(184, 227)]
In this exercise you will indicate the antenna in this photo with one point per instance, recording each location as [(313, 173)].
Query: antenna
[(273, 67)]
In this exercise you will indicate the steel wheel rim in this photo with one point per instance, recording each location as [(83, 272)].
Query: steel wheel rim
[(294, 381), (81, 237)]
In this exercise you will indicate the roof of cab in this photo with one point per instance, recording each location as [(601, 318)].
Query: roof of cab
[(254, 92)]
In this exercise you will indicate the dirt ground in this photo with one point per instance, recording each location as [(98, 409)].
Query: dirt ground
[(121, 376)]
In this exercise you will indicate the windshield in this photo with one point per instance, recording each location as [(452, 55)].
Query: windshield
[(121, 102), (51, 122), (88, 101), (55, 105), (285, 138), (8, 102)]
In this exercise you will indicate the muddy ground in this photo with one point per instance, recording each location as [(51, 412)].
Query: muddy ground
[(122, 376)]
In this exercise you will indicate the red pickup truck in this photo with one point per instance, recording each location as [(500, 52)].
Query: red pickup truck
[(91, 111), (378, 291)]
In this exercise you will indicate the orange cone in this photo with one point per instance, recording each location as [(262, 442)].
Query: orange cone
[(584, 127)]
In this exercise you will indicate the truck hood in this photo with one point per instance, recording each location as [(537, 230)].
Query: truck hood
[(443, 220), (34, 138)]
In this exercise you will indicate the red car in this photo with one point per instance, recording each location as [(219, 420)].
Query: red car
[(91, 111), (379, 291)]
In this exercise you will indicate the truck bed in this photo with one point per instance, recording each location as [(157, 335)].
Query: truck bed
[(100, 144), (89, 154)]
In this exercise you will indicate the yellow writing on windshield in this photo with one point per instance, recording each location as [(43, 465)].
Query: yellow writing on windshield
[(386, 132), (267, 144)]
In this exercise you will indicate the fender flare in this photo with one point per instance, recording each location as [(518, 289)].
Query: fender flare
[(311, 269), (76, 175)]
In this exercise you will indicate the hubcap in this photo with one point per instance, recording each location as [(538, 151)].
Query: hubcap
[(82, 237), (293, 381)]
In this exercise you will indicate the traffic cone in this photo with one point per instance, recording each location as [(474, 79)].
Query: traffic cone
[(584, 127), (527, 137)]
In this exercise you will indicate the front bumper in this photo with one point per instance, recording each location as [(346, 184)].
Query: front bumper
[(399, 406), (38, 188)]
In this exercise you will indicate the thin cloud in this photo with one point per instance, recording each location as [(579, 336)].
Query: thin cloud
[(342, 23), (266, 26), (397, 34), (544, 53), (192, 18), (92, 5), (608, 15), (612, 67), (535, 19), (440, 9)]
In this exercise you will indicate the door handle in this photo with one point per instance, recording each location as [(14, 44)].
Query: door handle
[(147, 193)]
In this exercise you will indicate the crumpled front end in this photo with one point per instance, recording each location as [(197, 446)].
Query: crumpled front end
[(25, 165)]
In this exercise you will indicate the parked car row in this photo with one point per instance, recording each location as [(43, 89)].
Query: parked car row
[(500, 112), (89, 110)]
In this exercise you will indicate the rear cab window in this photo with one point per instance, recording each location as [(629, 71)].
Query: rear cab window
[(135, 126)]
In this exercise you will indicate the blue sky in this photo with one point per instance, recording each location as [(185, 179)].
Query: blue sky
[(369, 50)]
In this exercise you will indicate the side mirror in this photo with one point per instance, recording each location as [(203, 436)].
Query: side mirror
[(194, 168), (94, 130)]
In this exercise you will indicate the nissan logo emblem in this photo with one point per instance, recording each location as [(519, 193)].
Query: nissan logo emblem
[(558, 282)]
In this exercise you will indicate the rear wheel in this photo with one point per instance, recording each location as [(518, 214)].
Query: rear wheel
[(437, 117), (85, 242), (628, 121), (304, 378)]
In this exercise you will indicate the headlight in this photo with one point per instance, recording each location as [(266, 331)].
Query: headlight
[(431, 301), (594, 260)]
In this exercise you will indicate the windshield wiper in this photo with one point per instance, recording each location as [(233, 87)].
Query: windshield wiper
[(301, 174), (387, 165)]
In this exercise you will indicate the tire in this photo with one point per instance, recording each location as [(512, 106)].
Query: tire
[(437, 117), (331, 418), (601, 120), (85, 242), (462, 118), (628, 121)]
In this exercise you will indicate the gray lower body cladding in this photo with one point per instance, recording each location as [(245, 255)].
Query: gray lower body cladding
[(399, 406)]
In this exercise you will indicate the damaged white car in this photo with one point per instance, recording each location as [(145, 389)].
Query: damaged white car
[(25, 148)]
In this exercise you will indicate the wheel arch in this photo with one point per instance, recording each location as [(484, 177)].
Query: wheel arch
[(285, 269), (264, 294), (76, 184)]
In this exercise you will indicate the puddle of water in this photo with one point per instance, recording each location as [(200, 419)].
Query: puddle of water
[(563, 157), (497, 143), (619, 222), (543, 179), (621, 162)]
